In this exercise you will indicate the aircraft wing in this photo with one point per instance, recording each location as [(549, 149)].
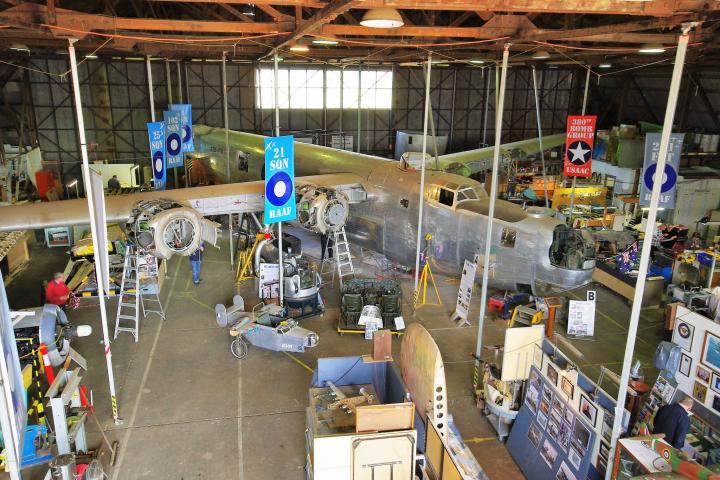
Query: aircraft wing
[(209, 200), (472, 161)]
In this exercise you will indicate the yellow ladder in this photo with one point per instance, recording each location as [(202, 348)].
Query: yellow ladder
[(245, 260)]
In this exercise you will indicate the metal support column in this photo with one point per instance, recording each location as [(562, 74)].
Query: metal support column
[(101, 281), (422, 171), (277, 134), (452, 111), (169, 100), (487, 107), (647, 242), (359, 112), (491, 211), (180, 84), (584, 106), (540, 140), (225, 117), (151, 93)]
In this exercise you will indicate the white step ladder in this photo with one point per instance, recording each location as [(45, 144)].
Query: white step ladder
[(139, 274), (343, 265)]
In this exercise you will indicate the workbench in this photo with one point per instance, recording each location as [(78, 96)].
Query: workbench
[(624, 285)]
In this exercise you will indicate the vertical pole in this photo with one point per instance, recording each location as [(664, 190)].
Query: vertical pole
[(277, 134), (584, 106), (540, 140), (180, 85), (452, 110), (647, 242), (225, 116), (151, 93), (342, 87), (102, 288), (359, 101), (487, 107), (422, 171), (491, 210)]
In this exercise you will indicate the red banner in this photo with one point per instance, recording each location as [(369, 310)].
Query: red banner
[(579, 145)]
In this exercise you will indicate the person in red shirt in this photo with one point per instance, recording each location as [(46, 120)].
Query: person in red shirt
[(57, 292)]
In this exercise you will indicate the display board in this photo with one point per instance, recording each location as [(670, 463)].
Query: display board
[(699, 371), (551, 438), (520, 342)]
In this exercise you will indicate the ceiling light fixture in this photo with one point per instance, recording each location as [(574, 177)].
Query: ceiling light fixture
[(299, 47), (91, 57), (605, 65), (19, 47), (477, 61), (652, 48), (541, 55), (382, 18), (324, 41)]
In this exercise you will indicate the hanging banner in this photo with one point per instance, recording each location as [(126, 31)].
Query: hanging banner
[(185, 111), (579, 145), (173, 139), (279, 180), (672, 164), (156, 134), (467, 283)]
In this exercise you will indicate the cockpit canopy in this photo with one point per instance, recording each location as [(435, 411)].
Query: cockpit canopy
[(452, 194), (573, 249)]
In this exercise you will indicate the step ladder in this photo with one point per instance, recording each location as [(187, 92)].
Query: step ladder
[(343, 265), (137, 276)]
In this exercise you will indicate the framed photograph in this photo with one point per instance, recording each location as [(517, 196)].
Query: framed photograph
[(588, 410), (683, 335), (545, 400), (700, 391), (534, 434), (702, 374), (715, 383), (568, 387), (685, 364), (604, 450), (552, 374), (553, 428), (542, 419), (557, 407), (716, 403), (574, 458), (538, 356), (548, 453), (711, 352), (563, 437), (532, 397), (580, 437), (564, 473), (568, 415)]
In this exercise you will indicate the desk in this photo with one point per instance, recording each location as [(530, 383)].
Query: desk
[(624, 285)]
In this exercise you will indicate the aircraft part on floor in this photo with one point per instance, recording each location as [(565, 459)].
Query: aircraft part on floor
[(165, 228), (322, 209), (423, 372), (51, 327)]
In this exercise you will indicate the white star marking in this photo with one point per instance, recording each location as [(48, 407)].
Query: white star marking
[(578, 153)]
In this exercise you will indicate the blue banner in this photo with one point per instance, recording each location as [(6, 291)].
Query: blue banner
[(185, 111), (279, 180), (156, 134), (672, 164), (173, 139)]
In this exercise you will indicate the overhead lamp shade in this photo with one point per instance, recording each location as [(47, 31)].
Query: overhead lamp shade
[(652, 48), (477, 61), (605, 65), (299, 47), (541, 55), (382, 18), (324, 41)]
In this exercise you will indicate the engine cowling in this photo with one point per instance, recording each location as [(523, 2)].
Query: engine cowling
[(165, 228), (322, 210)]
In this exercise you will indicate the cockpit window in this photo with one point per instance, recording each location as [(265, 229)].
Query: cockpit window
[(572, 249), (447, 197), (466, 193)]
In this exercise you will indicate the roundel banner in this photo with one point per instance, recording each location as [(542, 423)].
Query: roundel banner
[(173, 139), (174, 144), (156, 136), (579, 146), (279, 180), (669, 178)]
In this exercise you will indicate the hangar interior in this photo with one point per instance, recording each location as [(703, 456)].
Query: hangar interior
[(459, 285)]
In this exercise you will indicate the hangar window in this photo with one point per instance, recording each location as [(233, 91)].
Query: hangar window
[(507, 239), (373, 86)]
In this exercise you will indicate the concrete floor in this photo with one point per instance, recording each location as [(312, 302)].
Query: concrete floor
[(191, 410)]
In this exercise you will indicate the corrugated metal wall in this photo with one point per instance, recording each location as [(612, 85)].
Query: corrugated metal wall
[(116, 105)]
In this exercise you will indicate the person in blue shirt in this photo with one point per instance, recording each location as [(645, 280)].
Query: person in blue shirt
[(674, 421), (196, 262)]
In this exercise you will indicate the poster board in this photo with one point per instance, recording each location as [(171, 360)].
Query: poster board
[(467, 283), (581, 318), (520, 343)]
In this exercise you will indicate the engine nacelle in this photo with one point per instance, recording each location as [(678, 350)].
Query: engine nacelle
[(165, 228), (322, 210)]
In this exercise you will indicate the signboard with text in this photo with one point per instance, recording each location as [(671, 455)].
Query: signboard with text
[(173, 139), (579, 145), (156, 136), (672, 163), (467, 282), (279, 180), (186, 130)]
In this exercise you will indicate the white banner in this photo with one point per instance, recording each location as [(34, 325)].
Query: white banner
[(581, 318), (467, 283)]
